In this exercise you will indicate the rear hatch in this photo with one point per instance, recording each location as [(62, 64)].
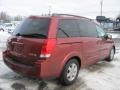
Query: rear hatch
[(27, 40)]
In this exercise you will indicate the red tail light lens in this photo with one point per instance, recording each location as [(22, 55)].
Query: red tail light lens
[(47, 48)]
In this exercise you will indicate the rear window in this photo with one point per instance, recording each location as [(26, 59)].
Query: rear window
[(37, 28)]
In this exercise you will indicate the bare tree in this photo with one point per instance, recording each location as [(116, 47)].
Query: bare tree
[(18, 18), (4, 16)]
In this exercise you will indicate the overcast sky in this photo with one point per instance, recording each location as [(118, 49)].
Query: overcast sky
[(87, 8)]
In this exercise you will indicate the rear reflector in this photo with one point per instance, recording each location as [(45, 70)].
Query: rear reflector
[(47, 48)]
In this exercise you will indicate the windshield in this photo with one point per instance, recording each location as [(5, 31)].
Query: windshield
[(33, 28)]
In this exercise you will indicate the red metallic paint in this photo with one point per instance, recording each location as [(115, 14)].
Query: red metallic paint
[(26, 58)]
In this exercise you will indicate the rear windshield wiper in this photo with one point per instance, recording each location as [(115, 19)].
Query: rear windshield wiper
[(18, 34), (32, 35)]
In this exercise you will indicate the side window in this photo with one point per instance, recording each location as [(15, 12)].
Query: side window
[(61, 33), (87, 28), (68, 28), (100, 31)]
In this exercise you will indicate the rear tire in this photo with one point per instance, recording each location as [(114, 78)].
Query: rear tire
[(111, 55), (70, 72)]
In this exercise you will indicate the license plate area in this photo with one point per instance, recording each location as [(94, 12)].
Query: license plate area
[(18, 48)]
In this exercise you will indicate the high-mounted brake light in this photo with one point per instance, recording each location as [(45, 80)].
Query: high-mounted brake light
[(47, 48)]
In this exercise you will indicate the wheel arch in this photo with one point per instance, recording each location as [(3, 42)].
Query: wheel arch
[(66, 61), (74, 57)]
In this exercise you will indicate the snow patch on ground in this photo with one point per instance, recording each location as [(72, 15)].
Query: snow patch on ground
[(114, 35), (3, 38)]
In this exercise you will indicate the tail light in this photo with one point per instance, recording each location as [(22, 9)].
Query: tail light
[(47, 48)]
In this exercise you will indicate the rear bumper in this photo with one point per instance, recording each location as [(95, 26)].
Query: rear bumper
[(41, 69), (32, 71)]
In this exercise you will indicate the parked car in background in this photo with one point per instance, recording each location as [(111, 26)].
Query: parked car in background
[(1, 27), (57, 46), (9, 27), (117, 26)]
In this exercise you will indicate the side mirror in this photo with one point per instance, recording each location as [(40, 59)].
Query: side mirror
[(107, 36)]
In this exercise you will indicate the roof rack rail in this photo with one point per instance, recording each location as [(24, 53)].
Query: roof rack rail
[(56, 14)]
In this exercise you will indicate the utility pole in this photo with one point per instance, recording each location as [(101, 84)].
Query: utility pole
[(101, 4), (49, 12)]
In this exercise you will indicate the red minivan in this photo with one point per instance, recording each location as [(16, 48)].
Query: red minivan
[(57, 46)]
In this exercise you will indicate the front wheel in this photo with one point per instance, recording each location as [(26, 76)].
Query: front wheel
[(70, 72), (111, 55)]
